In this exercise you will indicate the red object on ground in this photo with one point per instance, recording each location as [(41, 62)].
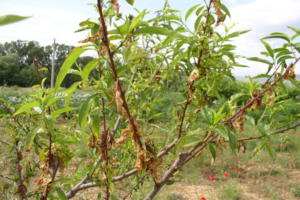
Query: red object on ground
[(35, 180), (233, 168), (203, 198), (226, 175), (240, 175), (212, 178), (113, 160), (293, 132), (37, 188), (281, 145), (166, 134)]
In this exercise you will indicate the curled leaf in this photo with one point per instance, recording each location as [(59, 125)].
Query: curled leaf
[(194, 76), (199, 154), (239, 123), (94, 37), (271, 94), (118, 99), (124, 136)]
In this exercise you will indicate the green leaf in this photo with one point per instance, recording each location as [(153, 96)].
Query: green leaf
[(261, 145), (260, 60), (158, 31), (89, 21), (284, 58), (278, 35), (294, 29), (189, 12), (119, 72), (49, 123), (69, 92), (155, 115), (263, 132), (83, 112), (30, 137), (197, 23), (131, 2), (199, 10), (270, 151), (63, 110), (176, 60), (42, 154), (269, 49), (222, 133), (212, 151), (135, 21), (61, 194), (225, 9), (88, 68), (261, 76), (8, 19), (96, 123), (237, 95), (79, 165), (111, 186), (73, 55), (235, 34), (233, 143), (27, 107)]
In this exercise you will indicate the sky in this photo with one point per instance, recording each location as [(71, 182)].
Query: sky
[(59, 19)]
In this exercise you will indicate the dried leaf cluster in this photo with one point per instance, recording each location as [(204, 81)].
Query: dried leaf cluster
[(239, 123), (291, 74), (217, 8), (45, 177)]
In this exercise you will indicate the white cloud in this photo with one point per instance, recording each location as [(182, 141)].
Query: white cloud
[(231, 1)]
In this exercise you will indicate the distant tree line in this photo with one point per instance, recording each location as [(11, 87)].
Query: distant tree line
[(17, 68)]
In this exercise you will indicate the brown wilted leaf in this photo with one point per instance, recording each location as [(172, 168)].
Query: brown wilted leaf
[(124, 136), (94, 37), (92, 141), (22, 191), (118, 99), (221, 142), (135, 137), (239, 123), (291, 73), (139, 162), (217, 8), (103, 49), (241, 147), (271, 94), (45, 176), (61, 165), (258, 103), (199, 154), (194, 76)]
